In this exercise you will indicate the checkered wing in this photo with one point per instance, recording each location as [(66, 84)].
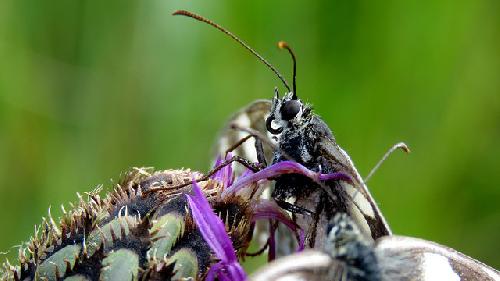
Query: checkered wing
[(250, 117)]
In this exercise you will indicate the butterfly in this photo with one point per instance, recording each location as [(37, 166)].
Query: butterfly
[(349, 255), (285, 128), (349, 236)]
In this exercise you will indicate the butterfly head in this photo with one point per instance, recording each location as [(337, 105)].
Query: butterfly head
[(286, 111), (342, 230), (347, 244)]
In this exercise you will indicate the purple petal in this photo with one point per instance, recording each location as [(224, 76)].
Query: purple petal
[(211, 226), (213, 270), (302, 238), (236, 272), (218, 161), (272, 242), (335, 176), (225, 174), (214, 232), (246, 173), (229, 171), (217, 175), (222, 277), (267, 209), (282, 168), (228, 272)]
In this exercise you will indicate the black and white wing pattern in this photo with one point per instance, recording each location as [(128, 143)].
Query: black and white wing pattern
[(308, 265), (360, 204), (350, 255), (252, 117), (401, 259), (426, 260)]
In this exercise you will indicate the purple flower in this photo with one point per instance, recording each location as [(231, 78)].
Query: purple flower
[(214, 232), (267, 209), (225, 174), (282, 168), (213, 229)]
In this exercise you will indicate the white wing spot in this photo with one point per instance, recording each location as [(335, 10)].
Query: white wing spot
[(359, 200), (437, 267), (360, 220), (244, 121)]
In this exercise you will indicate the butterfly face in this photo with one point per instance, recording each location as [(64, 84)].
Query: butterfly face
[(287, 112)]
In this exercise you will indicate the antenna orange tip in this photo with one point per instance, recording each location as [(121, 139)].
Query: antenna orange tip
[(282, 45)]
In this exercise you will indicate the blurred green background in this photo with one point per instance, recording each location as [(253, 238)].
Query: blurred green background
[(91, 88)]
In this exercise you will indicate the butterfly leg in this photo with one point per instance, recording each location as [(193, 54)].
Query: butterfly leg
[(293, 208), (261, 156), (237, 144), (311, 234), (259, 148), (254, 167)]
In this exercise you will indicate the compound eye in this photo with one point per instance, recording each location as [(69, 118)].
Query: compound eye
[(269, 122), (290, 109)]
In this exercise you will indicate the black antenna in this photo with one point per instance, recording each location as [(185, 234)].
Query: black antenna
[(284, 45), (207, 21)]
